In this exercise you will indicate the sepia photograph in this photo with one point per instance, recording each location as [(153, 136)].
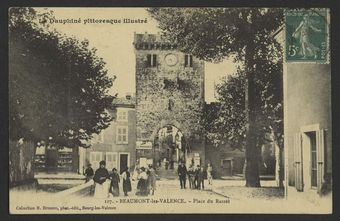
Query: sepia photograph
[(169, 110)]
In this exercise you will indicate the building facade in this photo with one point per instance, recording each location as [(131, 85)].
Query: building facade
[(117, 143), (307, 128), (169, 103), (52, 159)]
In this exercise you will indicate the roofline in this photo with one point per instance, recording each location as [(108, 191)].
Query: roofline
[(124, 105)]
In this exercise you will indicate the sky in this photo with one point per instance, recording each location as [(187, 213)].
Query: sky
[(114, 43)]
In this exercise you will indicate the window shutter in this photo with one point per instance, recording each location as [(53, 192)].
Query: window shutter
[(320, 150), (154, 60), (148, 62), (118, 135), (185, 60), (190, 60), (298, 162)]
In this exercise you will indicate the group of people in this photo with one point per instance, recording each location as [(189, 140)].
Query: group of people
[(196, 176), (107, 183), (146, 181)]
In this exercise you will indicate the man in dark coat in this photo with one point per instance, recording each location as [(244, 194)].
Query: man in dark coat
[(182, 174), (200, 178), (197, 174), (89, 173)]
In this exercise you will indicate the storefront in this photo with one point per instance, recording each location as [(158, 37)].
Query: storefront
[(52, 159)]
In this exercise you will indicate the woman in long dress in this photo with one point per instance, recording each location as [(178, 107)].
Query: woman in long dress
[(151, 181), (126, 181), (114, 186), (142, 183), (101, 186)]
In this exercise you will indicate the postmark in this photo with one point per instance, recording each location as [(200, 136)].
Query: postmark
[(307, 35)]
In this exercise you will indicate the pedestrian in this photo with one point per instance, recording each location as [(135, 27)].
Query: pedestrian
[(200, 178), (171, 164), (114, 186), (166, 163), (88, 173), (182, 174), (196, 181), (191, 175), (100, 177), (142, 185), (209, 174), (126, 181), (151, 181), (135, 173)]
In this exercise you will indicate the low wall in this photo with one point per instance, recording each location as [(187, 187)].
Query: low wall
[(80, 190)]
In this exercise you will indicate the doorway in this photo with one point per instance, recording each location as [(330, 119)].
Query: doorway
[(51, 159), (168, 148), (123, 161), (309, 157)]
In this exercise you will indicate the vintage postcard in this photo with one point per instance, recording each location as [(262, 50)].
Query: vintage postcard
[(169, 110)]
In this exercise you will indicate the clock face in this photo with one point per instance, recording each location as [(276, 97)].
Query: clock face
[(171, 59)]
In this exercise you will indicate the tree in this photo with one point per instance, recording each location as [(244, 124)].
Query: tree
[(58, 86), (213, 34), (225, 120)]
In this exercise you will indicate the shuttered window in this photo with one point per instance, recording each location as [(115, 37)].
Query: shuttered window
[(111, 160), (320, 152), (148, 62), (298, 162), (154, 60), (313, 163), (95, 158), (151, 60), (187, 60)]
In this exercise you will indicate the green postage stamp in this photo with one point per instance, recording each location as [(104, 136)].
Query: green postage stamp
[(307, 35)]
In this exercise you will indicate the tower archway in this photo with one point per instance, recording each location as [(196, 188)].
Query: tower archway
[(169, 147)]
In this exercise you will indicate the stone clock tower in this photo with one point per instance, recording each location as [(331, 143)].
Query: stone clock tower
[(169, 105)]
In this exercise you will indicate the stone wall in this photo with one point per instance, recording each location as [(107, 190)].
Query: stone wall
[(214, 156), (167, 94)]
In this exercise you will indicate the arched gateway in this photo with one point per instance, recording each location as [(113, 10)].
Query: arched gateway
[(170, 97)]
